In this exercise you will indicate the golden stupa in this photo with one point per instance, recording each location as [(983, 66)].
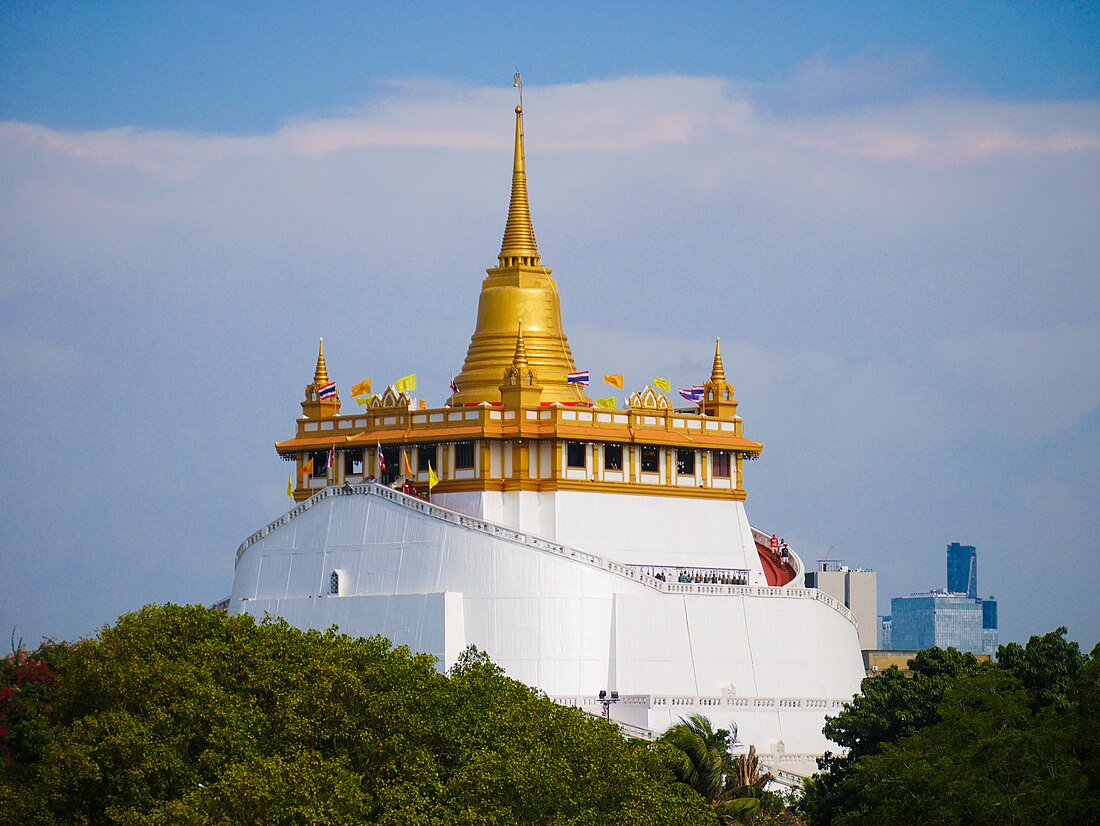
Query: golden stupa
[(519, 290), (516, 423)]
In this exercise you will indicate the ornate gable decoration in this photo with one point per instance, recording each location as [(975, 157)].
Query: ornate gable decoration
[(648, 399), (391, 398)]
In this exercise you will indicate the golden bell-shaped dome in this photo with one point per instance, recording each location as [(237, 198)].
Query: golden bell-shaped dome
[(518, 287)]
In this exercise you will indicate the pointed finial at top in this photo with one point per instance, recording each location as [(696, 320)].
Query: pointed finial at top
[(320, 375), (519, 246), (718, 372)]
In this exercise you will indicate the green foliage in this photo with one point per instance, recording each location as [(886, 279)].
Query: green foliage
[(1046, 666), (185, 716), (960, 742), (699, 756), (1086, 694), (988, 761)]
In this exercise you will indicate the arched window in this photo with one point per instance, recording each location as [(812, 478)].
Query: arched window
[(334, 583)]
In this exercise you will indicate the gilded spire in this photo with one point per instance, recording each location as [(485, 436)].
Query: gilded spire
[(519, 360), (519, 245), (316, 406), (519, 287), (718, 372), (320, 375)]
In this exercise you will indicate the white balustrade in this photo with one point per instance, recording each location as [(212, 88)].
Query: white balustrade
[(632, 573)]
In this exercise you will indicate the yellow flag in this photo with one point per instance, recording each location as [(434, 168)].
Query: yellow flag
[(614, 379), (307, 468), (290, 485), (433, 480), (606, 404), (365, 400), (361, 389), (405, 383), (663, 384)]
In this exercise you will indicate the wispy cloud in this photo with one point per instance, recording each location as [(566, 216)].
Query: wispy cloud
[(874, 75), (900, 283), (623, 115)]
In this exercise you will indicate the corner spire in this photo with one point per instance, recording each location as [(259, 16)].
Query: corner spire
[(519, 246), (321, 399), (718, 372), (320, 375)]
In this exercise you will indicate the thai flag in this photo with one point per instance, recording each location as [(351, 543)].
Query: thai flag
[(332, 457), (579, 378), (697, 391), (687, 394), (692, 394), (327, 391), (381, 460), (454, 387)]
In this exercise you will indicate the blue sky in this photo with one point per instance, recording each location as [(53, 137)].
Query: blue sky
[(246, 67), (887, 212)]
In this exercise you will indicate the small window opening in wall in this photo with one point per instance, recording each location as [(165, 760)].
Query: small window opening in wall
[(575, 454), (320, 463), (334, 582), (425, 455), (721, 464), (464, 455), (685, 462), (353, 462), (613, 457), (651, 460)]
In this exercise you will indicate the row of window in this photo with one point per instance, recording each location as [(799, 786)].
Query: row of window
[(576, 457), (391, 457)]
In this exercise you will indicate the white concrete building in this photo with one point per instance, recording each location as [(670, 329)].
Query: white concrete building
[(586, 548)]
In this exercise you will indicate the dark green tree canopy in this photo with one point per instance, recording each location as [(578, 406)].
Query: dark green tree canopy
[(181, 715), (961, 742)]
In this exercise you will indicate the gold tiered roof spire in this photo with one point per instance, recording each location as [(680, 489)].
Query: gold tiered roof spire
[(519, 245), (313, 406), (718, 372), (718, 398), (519, 360), (519, 286), (320, 375)]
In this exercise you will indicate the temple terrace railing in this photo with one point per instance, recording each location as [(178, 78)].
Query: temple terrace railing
[(788, 768), (706, 576), (531, 541)]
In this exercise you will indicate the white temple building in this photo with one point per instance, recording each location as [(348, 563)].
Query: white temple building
[(585, 548)]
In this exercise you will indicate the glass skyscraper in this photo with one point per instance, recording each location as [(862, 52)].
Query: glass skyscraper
[(955, 617), (962, 570), (936, 619)]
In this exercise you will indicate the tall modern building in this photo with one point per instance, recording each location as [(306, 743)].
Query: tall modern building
[(953, 618), (857, 588), (588, 548), (936, 618), (962, 569)]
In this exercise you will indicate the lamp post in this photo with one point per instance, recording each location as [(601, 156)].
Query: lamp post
[(607, 698)]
